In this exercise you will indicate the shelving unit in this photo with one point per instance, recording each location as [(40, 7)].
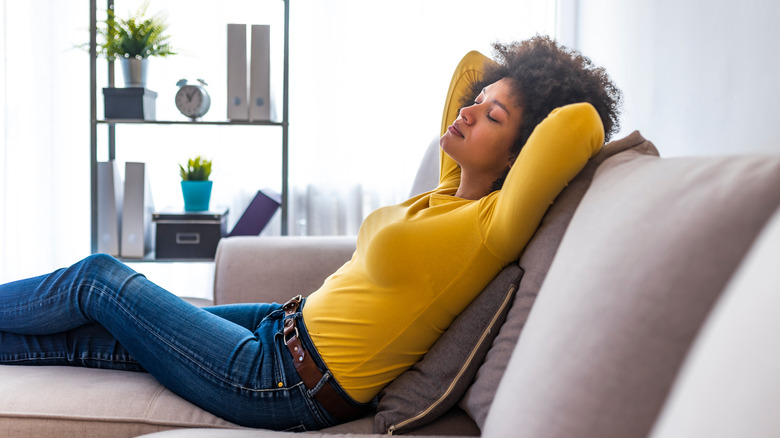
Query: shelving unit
[(95, 121)]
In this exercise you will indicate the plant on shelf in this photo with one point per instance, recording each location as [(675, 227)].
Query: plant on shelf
[(135, 37), (133, 41), (198, 169), (195, 184)]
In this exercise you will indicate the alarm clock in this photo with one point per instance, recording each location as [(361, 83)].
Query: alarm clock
[(192, 99)]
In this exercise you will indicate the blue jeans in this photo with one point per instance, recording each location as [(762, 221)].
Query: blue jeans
[(229, 360)]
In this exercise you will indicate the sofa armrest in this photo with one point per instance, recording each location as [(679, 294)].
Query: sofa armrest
[(274, 269)]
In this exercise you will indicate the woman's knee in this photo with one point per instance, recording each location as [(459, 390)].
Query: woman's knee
[(100, 260), (103, 263)]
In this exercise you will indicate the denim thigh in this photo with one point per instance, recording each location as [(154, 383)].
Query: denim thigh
[(101, 313)]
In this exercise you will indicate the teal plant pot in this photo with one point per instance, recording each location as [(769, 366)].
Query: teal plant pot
[(197, 195)]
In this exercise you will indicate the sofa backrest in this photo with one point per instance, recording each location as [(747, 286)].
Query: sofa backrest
[(650, 248), (729, 385), (535, 262), (427, 177), (439, 381), (238, 278)]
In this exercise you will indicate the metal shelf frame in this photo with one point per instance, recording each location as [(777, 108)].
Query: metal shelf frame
[(95, 121)]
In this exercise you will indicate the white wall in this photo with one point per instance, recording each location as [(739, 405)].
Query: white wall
[(699, 76)]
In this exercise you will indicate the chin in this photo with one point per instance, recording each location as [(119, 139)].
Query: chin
[(444, 145), (443, 139)]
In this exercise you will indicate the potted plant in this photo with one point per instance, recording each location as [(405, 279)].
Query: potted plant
[(133, 41), (195, 184)]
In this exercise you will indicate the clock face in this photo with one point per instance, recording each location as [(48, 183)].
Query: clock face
[(193, 101)]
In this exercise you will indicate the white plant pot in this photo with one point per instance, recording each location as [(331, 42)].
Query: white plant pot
[(134, 71)]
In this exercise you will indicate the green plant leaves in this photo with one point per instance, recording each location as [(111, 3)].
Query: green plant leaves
[(135, 37), (198, 169)]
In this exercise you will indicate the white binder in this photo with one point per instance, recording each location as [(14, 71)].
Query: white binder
[(109, 207), (136, 212), (260, 74), (237, 83)]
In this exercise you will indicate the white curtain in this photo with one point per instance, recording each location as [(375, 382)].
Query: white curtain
[(44, 127), (367, 84)]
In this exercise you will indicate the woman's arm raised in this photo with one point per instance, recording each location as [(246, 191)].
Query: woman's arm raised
[(468, 71), (554, 154)]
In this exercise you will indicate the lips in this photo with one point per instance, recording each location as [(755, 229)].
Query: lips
[(454, 130)]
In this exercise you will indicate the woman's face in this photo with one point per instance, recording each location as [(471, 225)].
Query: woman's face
[(481, 137)]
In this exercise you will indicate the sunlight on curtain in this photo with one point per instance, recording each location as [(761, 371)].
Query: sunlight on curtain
[(3, 138), (367, 84), (45, 137)]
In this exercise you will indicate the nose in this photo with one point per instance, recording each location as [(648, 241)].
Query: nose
[(467, 114)]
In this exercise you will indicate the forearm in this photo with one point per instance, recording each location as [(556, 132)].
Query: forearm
[(554, 154)]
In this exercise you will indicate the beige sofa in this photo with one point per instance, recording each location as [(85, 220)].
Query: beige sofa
[(654, 286)]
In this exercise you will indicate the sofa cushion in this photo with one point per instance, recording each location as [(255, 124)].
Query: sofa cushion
[(651, 246), (77, 402), (734, 357), (436, 383), (535, 261), (257, 433)]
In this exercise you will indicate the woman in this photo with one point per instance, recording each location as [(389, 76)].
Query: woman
[(315, 362)]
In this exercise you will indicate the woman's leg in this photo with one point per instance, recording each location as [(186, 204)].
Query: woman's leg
[(239, 374), (90, 345), (247, 315)]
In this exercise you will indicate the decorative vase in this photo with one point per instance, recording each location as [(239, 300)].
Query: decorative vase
[(134, 71), (197, 195)]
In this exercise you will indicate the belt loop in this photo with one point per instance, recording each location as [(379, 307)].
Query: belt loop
[(325, 377)]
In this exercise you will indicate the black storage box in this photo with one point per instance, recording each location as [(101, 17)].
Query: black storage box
[(189, 235), (129, 103)]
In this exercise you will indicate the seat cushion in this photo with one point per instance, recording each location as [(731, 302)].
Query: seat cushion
[(48, 401), (646, 255), (54, 401)]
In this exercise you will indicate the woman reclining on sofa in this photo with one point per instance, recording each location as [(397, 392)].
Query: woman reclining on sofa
[(521, 133)]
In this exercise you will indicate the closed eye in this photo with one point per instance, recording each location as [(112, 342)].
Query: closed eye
[(477, 102)]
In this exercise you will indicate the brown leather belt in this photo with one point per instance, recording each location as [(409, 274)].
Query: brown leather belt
[(311, 375)]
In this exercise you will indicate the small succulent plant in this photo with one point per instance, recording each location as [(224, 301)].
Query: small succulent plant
[(198, 169)]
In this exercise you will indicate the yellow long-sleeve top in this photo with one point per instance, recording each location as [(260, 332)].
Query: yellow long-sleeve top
[(420, 263)]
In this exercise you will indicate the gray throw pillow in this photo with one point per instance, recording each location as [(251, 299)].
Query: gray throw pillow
[(436, 383), (535, 261)]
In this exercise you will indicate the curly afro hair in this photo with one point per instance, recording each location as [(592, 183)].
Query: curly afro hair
[(546, 76)]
